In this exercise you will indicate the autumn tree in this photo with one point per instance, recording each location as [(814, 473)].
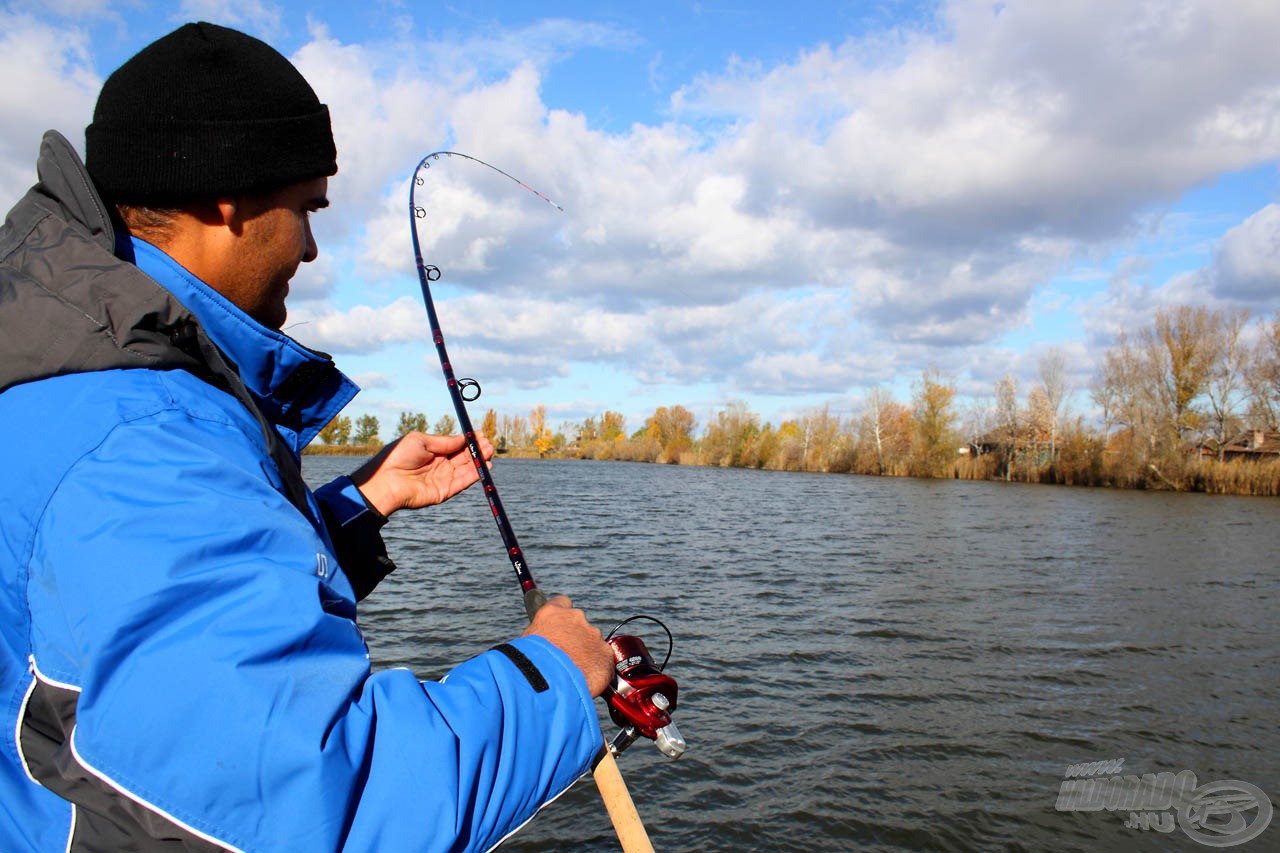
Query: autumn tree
[(366, 431), (411, 422), (730, 437), (672, 428), (446, 425), (932, 401), (543, 440), (820, 431), (780, 449), (1124, 389), (337, 431), (1178, 354), (612, 426), (1037, 421), (490, 425)]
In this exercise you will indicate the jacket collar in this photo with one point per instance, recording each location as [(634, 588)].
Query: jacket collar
[(299, 389)]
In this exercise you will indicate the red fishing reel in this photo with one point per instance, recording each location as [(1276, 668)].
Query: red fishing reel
[(642, 696)]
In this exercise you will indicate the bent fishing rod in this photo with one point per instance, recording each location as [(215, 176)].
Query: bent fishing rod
[(641, 696)]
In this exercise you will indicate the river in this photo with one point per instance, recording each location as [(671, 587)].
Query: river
[(875, 663)]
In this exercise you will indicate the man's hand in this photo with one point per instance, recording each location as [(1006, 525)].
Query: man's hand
[(568, 629), (419, 470)]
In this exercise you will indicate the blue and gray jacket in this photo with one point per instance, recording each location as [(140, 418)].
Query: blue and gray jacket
[(180, 664)]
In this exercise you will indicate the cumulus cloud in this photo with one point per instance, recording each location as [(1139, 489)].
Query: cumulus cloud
[(1244, 272), (50, 82), (940, 178), (846, 216), (1248, 260), (361, 329), (531, 340)]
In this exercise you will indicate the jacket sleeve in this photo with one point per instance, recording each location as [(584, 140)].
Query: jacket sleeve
[(223, 680), (355, 527)]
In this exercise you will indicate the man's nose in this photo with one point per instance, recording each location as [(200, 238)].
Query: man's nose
[(312, 251)]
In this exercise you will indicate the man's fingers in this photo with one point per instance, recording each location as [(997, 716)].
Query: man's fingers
[(567, 628), (444, 445)]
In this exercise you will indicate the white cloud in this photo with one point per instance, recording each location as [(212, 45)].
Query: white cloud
[(50, 82), (372, 381), (846, 216), (314, 280), (360, 330), (261, 17), (1248, 261)]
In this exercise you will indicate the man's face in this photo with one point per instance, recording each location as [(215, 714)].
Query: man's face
[(275, 238)]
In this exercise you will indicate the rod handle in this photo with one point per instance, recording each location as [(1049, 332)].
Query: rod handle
[(622, 809), (533, 601)]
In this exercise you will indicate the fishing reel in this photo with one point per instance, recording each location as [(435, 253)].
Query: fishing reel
[(642, 696)]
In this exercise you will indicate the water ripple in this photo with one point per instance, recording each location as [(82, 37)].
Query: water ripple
[(873, 663)]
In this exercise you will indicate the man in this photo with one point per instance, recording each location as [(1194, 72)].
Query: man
[(180, 665)]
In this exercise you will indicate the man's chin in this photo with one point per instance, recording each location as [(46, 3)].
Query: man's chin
[(272, 317)]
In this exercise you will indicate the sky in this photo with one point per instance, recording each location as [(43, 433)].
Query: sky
[(783, 204)]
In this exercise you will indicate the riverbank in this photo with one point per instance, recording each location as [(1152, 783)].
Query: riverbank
[(1245, 478), (341, 449)]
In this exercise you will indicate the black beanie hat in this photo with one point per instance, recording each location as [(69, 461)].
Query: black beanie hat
[(203, 112)]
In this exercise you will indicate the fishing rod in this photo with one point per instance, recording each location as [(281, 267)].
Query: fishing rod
[(641, 696)]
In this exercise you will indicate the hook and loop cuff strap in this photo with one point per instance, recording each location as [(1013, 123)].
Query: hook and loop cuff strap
[(531, 673)]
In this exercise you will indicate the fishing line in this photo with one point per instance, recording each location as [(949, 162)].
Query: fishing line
[(466, 390), (670, 641), (640, 696)]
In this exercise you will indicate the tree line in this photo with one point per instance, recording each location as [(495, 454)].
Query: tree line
[(1168, 400)]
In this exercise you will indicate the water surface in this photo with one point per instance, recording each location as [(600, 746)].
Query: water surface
[(875, 663)]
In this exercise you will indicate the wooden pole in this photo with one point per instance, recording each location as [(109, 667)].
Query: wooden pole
[(622, 810)]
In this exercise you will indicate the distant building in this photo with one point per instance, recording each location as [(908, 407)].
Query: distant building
[(1028, 443), (1253, 444)]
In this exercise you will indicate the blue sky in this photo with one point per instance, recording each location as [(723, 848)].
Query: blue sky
[(786, 204)]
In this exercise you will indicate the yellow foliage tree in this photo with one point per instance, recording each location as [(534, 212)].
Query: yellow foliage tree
[(543, 440)]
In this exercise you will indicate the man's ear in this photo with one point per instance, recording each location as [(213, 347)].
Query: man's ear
[(228, 212)]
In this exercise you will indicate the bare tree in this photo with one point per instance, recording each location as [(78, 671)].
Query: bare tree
[(874, 420), (976, 422), (1104, 391), (1264, 376), (1053, 383), (1229, 364)]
